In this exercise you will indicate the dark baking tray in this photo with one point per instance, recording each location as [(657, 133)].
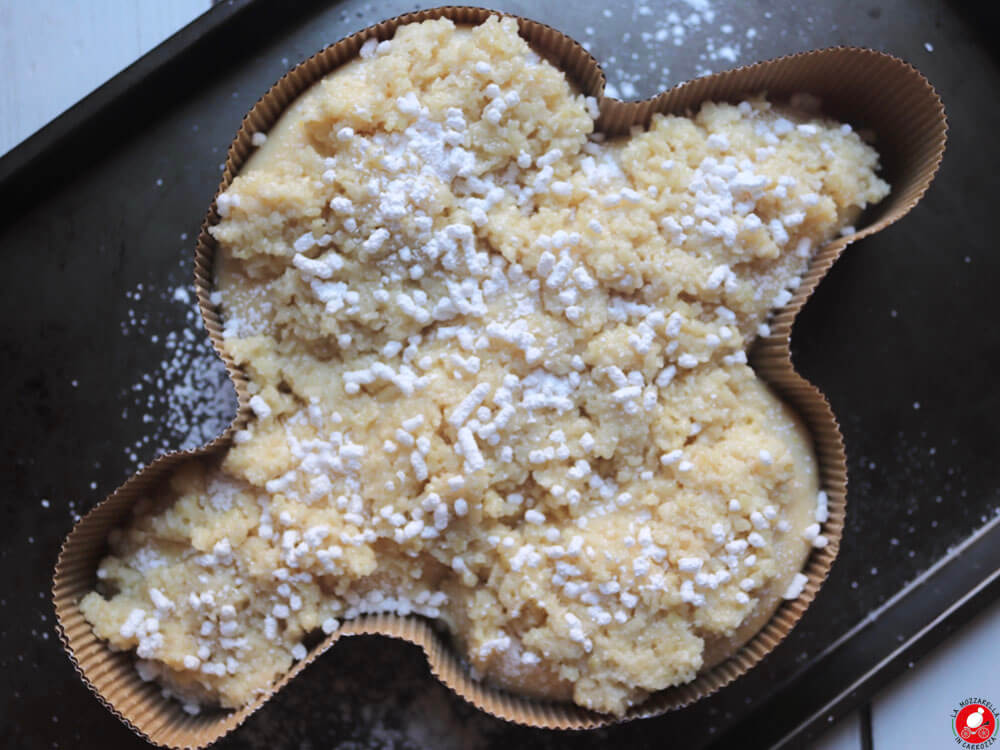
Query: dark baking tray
[(98, 201)]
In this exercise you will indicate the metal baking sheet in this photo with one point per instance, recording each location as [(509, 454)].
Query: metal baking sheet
[(106, 364)]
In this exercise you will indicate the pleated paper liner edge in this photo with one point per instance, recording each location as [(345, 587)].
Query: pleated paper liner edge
[(867, 88)]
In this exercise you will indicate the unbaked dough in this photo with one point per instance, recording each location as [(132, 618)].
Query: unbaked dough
[(499, 379)]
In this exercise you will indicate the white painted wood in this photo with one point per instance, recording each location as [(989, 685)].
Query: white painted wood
[(55, 52), (915, 710), (844, 735)]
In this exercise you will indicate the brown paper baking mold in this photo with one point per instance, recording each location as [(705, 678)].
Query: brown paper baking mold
[(868, 89)]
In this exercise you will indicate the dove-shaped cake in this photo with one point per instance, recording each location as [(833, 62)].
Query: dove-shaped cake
[(499, 379)]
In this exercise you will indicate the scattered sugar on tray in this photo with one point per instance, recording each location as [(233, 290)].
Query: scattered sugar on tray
[(186, 399), (684, 39)]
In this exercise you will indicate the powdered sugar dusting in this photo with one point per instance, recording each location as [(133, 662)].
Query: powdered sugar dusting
[(184, 397), (713, 38)]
